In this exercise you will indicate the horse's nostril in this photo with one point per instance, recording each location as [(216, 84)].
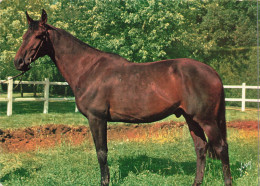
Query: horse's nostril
[(20, 61)]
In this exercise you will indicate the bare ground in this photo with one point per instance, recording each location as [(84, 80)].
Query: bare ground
[(32, 138)]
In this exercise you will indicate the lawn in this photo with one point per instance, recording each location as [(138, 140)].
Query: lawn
[(147, 162), (131, 163)]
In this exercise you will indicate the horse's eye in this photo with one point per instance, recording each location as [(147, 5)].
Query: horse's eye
[(39, 37)]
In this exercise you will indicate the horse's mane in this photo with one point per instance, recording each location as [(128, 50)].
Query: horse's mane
[(67, 34), (83, 44)]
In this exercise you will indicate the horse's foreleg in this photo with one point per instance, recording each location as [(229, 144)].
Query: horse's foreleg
[(98, 129), (200, 144)]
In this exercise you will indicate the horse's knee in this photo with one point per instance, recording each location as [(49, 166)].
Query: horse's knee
[(102, 156), (102, 160), (201, 151)]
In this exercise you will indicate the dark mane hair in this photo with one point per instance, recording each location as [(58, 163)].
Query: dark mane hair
[(63, 32)]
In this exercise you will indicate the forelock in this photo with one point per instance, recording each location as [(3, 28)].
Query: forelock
[(34, 25)]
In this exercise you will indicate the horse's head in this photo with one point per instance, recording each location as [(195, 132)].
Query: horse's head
[(34, 43)]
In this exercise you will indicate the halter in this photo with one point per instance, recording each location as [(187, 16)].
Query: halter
[(40, 45)]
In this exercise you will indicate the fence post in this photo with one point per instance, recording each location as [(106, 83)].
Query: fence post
[(76, 108), (10, 96), (243, 107), (46, 96)]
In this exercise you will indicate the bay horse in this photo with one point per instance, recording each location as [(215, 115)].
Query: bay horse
[(108, 87)]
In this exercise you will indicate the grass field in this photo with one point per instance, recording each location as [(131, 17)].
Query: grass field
[(147, 162), (131, 163)]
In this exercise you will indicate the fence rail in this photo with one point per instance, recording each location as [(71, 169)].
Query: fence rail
[(10, 99), (243, 99)]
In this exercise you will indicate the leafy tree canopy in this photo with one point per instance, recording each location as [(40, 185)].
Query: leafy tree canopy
[(219, 33)]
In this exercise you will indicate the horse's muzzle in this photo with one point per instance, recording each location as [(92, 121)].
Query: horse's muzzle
[(21, 65)]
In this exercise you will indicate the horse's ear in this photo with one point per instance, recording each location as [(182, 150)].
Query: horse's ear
[(29, 20), (44, 17)]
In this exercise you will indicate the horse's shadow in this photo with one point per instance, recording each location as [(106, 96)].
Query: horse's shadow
[(167, 167), (161, 166)]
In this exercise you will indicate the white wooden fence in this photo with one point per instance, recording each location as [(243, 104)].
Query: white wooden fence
[(243, 100), (9, 99)]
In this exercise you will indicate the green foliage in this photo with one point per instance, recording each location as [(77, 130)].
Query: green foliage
[(219, 33)]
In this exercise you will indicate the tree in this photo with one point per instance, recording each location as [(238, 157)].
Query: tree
[(219, 33)]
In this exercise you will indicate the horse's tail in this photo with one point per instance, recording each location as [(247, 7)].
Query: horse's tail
[(221, 121)]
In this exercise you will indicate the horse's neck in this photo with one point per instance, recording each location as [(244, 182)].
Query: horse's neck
[(71, 56)]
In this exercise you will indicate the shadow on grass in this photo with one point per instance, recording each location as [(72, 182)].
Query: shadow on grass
[(35, 107), (18, 173), (167, 167)]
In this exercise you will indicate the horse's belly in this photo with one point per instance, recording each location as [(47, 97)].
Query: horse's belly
[(144, 108), (132, 116)]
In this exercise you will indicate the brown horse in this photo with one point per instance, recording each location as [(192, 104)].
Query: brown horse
[(107, 87)]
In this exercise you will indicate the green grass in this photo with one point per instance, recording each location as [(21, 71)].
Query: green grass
[(27, 114), (131, 163)]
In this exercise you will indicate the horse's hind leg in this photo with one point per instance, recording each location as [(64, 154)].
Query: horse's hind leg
[(220, 146), (98, 129), (200, 144)]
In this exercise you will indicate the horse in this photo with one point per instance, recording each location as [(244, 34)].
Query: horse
[(109, 88)]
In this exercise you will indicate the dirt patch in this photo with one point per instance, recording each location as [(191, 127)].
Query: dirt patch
[(32, 138), (245, 125)]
